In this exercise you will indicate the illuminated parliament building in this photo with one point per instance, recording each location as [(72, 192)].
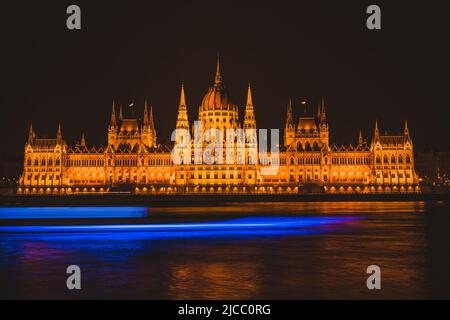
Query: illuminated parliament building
[(133, 159)]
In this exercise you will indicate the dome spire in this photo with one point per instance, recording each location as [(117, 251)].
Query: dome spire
[(218, 78)]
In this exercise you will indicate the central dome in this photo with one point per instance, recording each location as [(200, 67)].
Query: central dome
[(217, 97)]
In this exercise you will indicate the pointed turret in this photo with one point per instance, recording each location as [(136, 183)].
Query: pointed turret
[(113, 121), (319, 111), (182, 125), (83, 140), (289, 131), (182, 96), (289, 116), (145, 120), (151, 121), (323, 114), (406, 129), (120, 113), (360, 138), (30, 134), (249, 96), (376, 133), (59, 134), (323, 125), (148, 132), (182, 119), (249, 116)]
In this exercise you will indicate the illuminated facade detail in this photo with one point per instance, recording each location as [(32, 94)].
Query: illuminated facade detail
[(307, 162)]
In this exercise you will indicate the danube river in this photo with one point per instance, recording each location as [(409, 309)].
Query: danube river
[(235, 251)]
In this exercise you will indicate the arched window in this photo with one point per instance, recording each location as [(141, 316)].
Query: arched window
[(292, 160), (400, 159), (408, 160), (43, 161), (378, 159), (307, 145), (57, 162), (385, 159), (29, 162), (392, 159)]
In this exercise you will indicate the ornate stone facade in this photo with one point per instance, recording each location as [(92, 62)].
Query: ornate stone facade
[(306, 161)]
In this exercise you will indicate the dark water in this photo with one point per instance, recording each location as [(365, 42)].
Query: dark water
[(410, 241)]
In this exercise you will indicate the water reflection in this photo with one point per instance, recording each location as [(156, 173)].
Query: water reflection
[(349, 207), (408, 240)]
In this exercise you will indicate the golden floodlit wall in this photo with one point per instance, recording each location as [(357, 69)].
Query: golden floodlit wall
[(306, 162)]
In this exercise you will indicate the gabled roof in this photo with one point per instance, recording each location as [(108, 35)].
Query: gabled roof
[(391, 139), (44, 143)]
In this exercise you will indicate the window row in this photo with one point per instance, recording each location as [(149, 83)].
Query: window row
[(393, 159), (43, 162)]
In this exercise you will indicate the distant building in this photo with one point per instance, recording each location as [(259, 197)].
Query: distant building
[(434, 167), (132, 156)]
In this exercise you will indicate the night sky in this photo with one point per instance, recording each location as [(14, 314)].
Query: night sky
[(129, 50)]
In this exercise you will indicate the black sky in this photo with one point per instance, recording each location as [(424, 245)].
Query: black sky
[(129, 50)]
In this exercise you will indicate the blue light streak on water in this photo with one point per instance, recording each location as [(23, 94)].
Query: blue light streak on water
[(248, 224), (106, 239), (71, 212)]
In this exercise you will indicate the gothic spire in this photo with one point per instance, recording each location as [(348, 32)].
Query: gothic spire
[(182, 97), (360, 138), (249, 117), (151, 121), (30, 134), (406, 129), (120, 113), (249, 96), (319, 111), (323, 114), (289, 114), (113, 121), (83, 140), (59, 134), (182, 119), (145, 120), (377, 131)]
